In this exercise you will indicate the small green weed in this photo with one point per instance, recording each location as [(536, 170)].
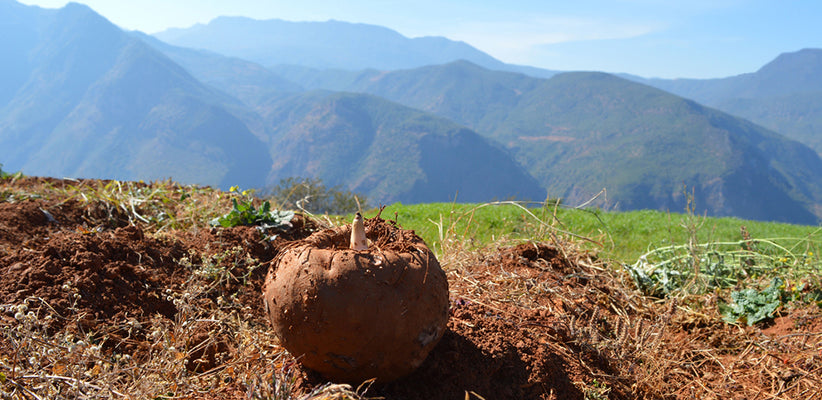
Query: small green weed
[(698, 267), (596, 391), (244, 213), (9, 175)]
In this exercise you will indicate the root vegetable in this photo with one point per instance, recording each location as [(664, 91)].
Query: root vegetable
[(354, 314)]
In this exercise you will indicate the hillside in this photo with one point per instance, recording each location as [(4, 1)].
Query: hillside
[(389, 152), (578, 133), (97, 103), (19, 32), (785, 95), (405, 155)]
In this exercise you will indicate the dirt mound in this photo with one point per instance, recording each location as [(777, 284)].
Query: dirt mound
[(488, 354), (181, 308), (103, 276), (510, 350)]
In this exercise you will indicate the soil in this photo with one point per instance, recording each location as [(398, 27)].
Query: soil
[(526, 322)]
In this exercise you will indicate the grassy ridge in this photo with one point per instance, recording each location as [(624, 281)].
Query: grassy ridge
[(624, 236)]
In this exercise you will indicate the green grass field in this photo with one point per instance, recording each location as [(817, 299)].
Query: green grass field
[(621, 236), (663, 252)]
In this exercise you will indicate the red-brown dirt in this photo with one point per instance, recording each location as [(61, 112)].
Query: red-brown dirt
[(535, 321)]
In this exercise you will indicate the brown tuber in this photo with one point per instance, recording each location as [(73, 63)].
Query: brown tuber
[(353, 312)]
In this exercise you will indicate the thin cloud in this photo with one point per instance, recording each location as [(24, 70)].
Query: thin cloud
[(513, 41)]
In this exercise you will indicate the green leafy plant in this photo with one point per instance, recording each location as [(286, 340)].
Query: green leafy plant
[(702, 267), (244, 213), (752, 306)]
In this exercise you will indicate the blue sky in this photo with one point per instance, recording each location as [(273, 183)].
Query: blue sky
[(650, 38)]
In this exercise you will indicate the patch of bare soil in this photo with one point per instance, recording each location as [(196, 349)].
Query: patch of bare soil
[(535, 321)]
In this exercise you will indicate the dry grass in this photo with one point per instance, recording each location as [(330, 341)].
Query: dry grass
[(46, 355), (676, 348), (672, 348), (249, 363)]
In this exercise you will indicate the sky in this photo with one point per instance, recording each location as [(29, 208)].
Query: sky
[(649, 38)]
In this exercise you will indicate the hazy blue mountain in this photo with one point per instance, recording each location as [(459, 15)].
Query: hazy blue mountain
[(245, 80), (785, 95), (328, 45), (83, 98), (390, 152), (95, 102), (578, 133), (331, 44), (464, 92), (20, 30), (789, 73), (324, 79)]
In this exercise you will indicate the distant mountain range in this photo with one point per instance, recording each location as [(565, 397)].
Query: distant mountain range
[(578, 133), (98, 102), (328, 45), (398, 119)]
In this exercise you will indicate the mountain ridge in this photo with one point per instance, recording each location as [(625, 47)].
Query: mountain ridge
[(785, 95), (329, 44), (101, 102)]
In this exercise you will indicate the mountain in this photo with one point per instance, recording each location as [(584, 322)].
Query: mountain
[(245, 80), (389, 152), (19, 32), (89, 100), (578, 133), (322, 78), (92, 101), (787, 74), (328, 45), (403, 154), (83, 98), (785, 95)]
